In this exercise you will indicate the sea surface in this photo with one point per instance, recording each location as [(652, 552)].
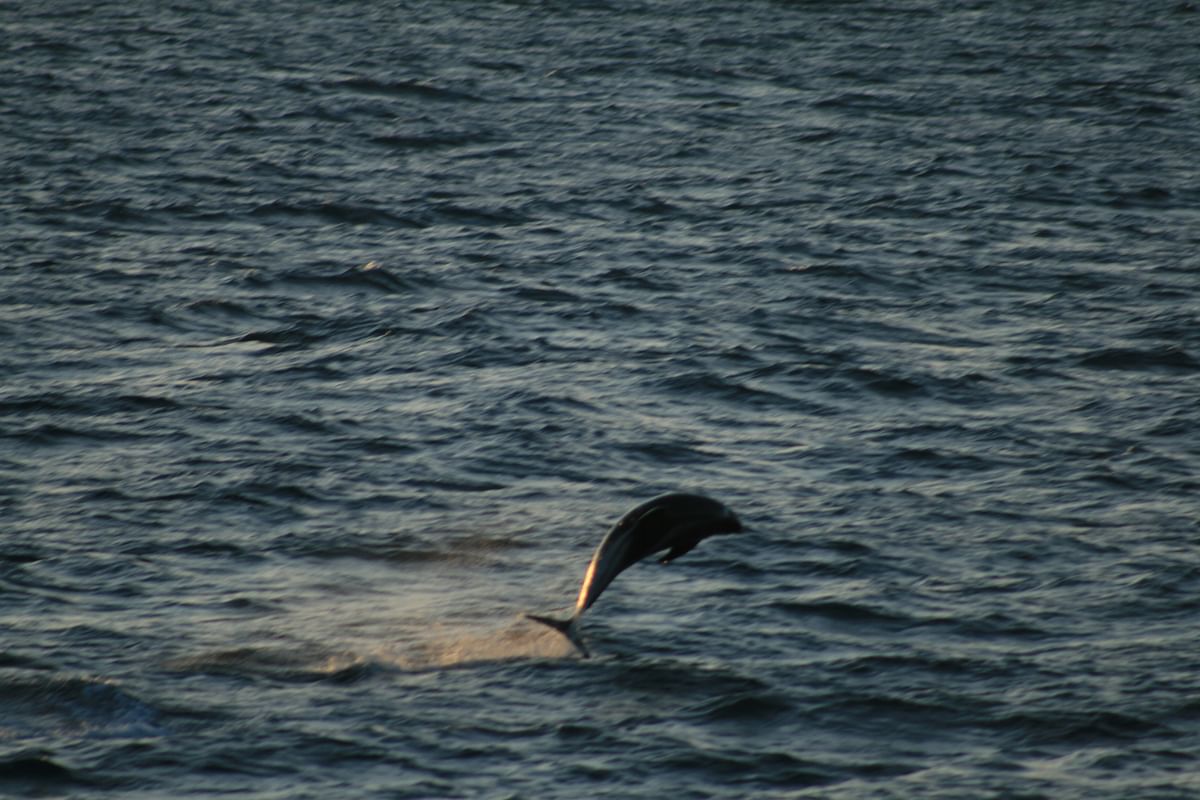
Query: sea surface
[(334, 337)]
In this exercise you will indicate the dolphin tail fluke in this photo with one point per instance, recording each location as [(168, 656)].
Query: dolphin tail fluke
[(567, 627)]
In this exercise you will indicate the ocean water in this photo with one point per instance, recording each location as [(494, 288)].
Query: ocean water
[(333, 337)]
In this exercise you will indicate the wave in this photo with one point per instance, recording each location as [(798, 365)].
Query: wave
[(1171, 359), (34, 773), (401, 88), (350, 213), (846, 614), (41, 705)]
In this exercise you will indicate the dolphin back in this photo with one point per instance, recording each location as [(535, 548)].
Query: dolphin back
[(673, 522)]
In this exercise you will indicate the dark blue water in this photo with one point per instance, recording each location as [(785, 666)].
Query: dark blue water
[(334, 336)]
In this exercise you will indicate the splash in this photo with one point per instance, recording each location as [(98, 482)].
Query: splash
[(433, 647), (299, 663), (444, 648)]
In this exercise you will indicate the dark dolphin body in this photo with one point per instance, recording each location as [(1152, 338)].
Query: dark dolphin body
[(674, 522)]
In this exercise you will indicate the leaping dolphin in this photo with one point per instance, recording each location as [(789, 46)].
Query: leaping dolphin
[(674, 522)]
